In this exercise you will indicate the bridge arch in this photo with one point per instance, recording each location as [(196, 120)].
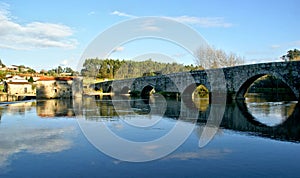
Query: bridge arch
[(242, 90), (190, 93), (147, 91), (110, 89)]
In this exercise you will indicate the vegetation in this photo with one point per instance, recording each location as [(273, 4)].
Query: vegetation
[(22, 69), (201, 91), (291, 55), (216, 58), (1, 64), (269, 84), (101, 68), (2, 75), (58, 71), (120, 69), (30, 80)]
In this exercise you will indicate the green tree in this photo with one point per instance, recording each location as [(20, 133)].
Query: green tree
[(68, 70), (32, 71), (292, 55), (30, 80), (1, 64), (120, 69), (60, 70), (91, 67), (43, 71), (2, 75)]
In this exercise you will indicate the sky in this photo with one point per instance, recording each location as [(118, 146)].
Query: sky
[(45, 34)]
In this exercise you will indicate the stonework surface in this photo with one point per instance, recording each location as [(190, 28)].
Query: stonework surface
[(237, 79)]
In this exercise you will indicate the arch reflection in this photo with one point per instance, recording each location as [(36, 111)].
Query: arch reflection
[(237, 116)]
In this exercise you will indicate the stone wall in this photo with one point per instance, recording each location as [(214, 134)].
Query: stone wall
[(9, 98), (15, 88), (54, 89)]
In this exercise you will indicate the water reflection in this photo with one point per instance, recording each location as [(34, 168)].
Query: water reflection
[(268, 110), (18, 108), (205, 153), (25, 131), (21, 132), (281, 123), (55, 108), (275, 120)]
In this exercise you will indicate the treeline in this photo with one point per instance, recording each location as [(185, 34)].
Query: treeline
[(268, 84), (58, 71), (121, 69)]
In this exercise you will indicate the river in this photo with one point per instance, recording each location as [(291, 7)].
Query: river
[(52, 138)]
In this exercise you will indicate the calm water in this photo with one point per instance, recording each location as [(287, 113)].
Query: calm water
[(43, 139)]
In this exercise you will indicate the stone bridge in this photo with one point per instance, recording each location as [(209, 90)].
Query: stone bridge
[(232, 81)]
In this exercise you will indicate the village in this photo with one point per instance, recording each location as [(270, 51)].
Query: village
[(20, 83)]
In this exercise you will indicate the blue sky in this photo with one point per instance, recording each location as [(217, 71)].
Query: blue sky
[(45, 34)]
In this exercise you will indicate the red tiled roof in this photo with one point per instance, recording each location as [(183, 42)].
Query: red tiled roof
[(44, 78), (18, 83)]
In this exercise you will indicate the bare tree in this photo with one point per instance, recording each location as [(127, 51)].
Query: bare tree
[(210, 58)]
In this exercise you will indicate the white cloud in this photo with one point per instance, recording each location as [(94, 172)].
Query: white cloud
[(204, 153), (275, 46), (291, 44), (32, 35), (179, 55), (201, 21), (92, 13), (149, 25), (64, 62), (122, 14), (296, 43), (34, 140), (118, 49)]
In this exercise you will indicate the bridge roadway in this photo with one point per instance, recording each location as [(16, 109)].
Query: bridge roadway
[(232, 82)]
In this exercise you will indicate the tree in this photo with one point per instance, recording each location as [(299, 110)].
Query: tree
[(43, 71), (216, 58), (1, 64), (32, 71), (2, 75), (192, 67), (30, 80), (68, 70), (292, 55), (60, 70), (91, 67)]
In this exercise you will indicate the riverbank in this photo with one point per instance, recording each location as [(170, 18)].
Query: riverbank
[(5, 97)]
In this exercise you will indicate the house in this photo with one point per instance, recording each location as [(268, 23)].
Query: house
[(58, 87), (13, 68), (19, 88), (18, 85), (3, 68), (15, 78), (35, 77)]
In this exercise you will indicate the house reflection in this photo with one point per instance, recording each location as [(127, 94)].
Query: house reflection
[(18, 108), (55, 108)]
